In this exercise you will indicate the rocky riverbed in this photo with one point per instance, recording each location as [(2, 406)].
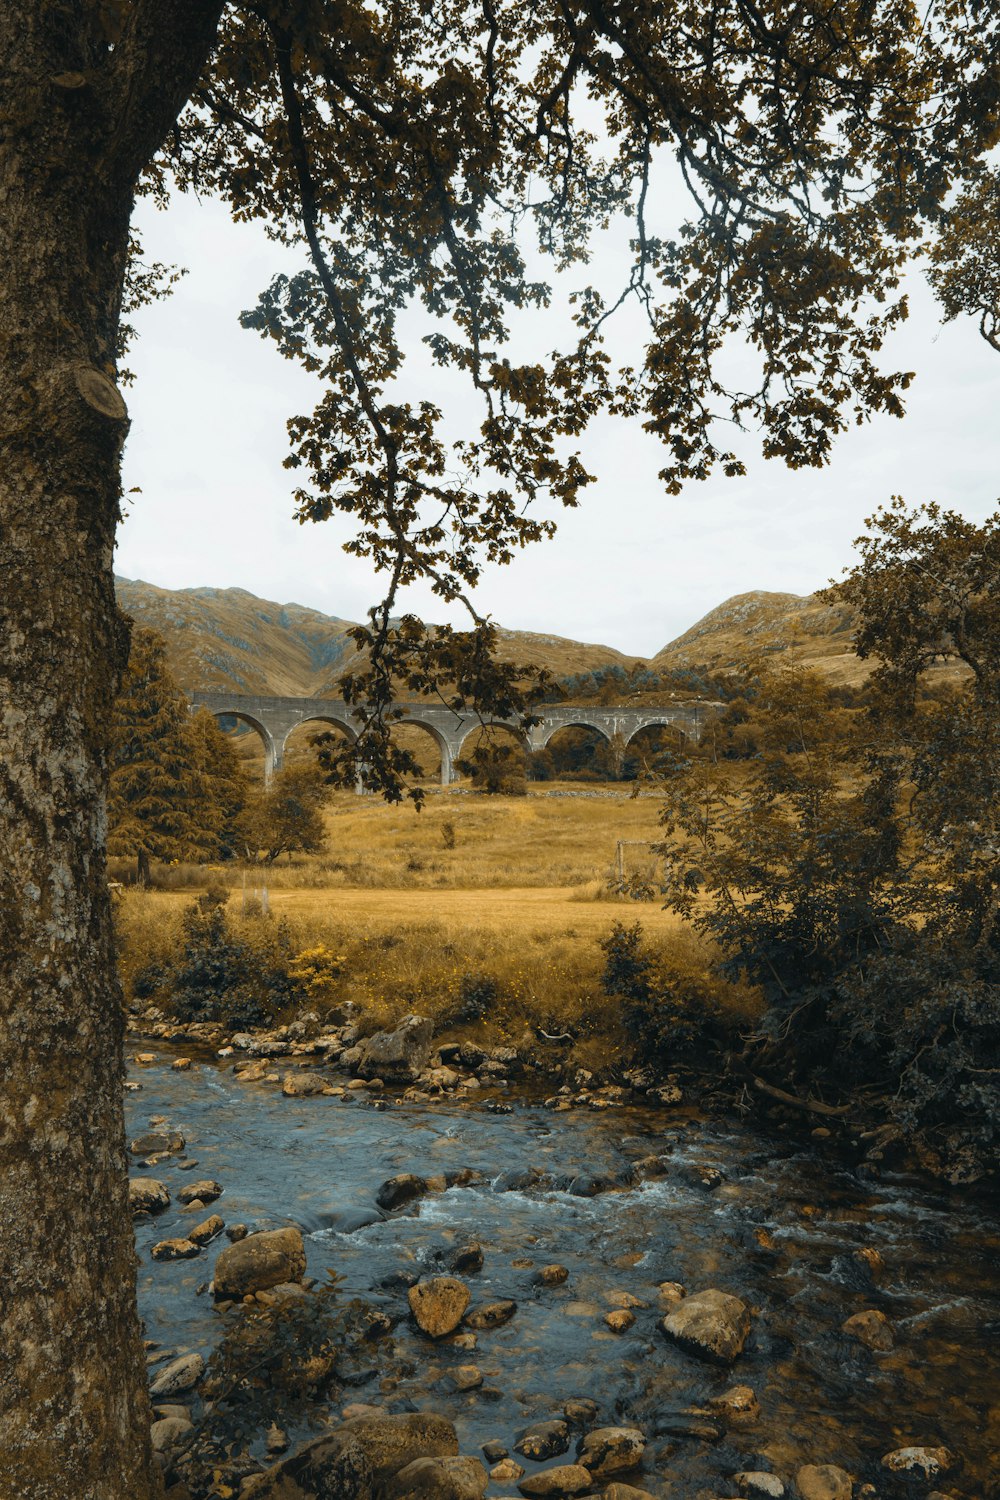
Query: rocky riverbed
[(593, 1300)]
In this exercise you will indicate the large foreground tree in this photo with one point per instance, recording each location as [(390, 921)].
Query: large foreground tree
[(413, 149)]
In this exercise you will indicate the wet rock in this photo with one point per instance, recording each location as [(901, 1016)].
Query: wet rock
[(587, 1185), (391, 1441), (449, 1478), (276, 1440), (178, 1249), (491, 1314), (332, 1467), (398, 1056), (467, 1259), (466, 1377), (871, 1328), (618, 1491), (494, 1451), (862, 1268), (181, 1374), (543, 1440), (147, 1196), (465, 1341), (620, 1321), (205, 1191), (166, 1433), (438, 1304), (926, 1463), (755, 1483), (517, 1180), (552, 1275), (738, 1407), (237, 1232), (303, 1085), (823, 1482), (181, 1064), (158, 1143), (713, 1325), (609, 1450), (580, 1412), (258, 1262), (706, 1178), (668, 1094), (693, 1424), (565, 1479), (403, 1188), (671, 1291), (206, 1231), (506, 1471)]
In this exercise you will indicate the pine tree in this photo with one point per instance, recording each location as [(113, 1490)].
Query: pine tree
[(157, 803)]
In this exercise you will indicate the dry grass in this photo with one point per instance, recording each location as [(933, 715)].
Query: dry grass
[(520, 901), (538, 840)]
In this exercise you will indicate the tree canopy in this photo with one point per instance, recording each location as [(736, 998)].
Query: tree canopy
[(447, 167)]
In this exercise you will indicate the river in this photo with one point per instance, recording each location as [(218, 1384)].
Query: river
[(824, 1398)]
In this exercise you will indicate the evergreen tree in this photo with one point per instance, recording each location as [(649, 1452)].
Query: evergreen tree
[(164, 802), (223, 785)]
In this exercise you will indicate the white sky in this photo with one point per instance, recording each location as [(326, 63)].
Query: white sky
[(632, 568)]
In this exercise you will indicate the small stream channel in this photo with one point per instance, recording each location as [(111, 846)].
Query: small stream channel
[(824, 1397)]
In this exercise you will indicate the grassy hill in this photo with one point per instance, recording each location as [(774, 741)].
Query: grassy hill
[(228, 638)]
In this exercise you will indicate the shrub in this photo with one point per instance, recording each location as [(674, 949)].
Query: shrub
[(236, 972), (671, 1014)]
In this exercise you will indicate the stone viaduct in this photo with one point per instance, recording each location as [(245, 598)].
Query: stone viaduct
[(274, 719)]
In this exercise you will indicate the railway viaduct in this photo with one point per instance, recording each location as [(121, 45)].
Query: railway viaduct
[(274, 719)]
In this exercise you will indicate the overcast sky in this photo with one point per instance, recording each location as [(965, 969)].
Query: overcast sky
[(632, 568)]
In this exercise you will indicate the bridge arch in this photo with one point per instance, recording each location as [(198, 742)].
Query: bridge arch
[(272, 752), (545, 731), (344, 725), (672, 724)]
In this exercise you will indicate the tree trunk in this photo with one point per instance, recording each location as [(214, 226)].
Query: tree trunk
[(142, 872), (80, 119)]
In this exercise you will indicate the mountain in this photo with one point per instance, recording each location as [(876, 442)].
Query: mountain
[(803, 629), (228, 638)]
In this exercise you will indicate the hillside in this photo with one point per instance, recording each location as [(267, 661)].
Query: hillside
[(803, 629), (228, 638)]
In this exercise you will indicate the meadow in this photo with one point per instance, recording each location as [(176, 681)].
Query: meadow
[(478, 907)]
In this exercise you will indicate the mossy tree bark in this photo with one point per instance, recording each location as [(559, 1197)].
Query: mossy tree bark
[(82, 114)]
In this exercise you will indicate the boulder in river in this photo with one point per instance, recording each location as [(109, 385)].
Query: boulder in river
[(258, 1262), (926, 1463), (177, 1249), (713, 1325), (467, 1259), (402, 1188), (552, 1275), (543, 1440), (448, 1478), (205, 1191), (759, 1485), (738, 1407), (871, 1328), (491, 1314), (181, 1374), (158, 1143), (390, 1441), (332, 1467), (303, 1084), (610, 1450), (147, 1196), (206, 1231), (565, 1479), (823, 1482), (618, 1491), (167, 1432), (438, 1304), (398, 1056)]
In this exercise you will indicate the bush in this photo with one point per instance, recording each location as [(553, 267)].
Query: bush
[(672, 1015), (238, 972)]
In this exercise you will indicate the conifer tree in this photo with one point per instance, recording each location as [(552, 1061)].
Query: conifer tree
[(159, 799)]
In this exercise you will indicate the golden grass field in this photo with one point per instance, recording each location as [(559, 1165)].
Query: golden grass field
[(521, 900)]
